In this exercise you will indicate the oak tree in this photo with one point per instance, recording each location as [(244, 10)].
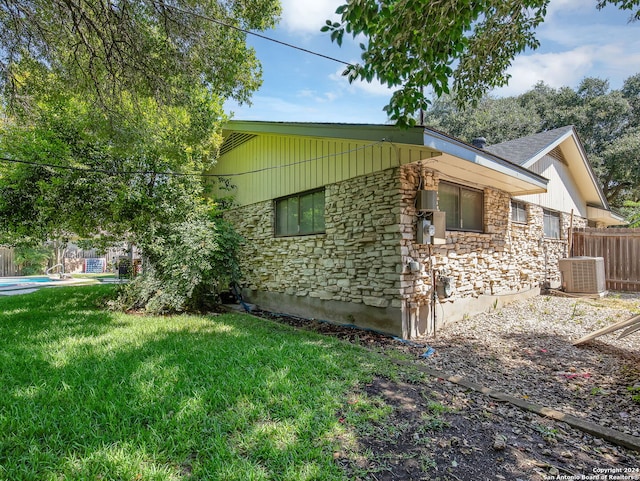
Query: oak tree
[(150, 48)]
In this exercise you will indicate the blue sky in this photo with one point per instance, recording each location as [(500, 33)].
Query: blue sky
[(577, 41)]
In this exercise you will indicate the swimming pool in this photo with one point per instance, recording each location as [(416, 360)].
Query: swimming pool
[(20, 281)]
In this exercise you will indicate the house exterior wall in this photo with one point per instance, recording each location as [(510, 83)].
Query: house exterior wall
[(359, 270), (562, 194), (507, 260), (274, 166), (349, 274)]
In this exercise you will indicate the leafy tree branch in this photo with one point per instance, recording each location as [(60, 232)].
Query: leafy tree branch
[(110, 103), (458, 46)]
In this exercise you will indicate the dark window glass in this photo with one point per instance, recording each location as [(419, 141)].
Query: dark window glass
[(282, 208), (318, 211), (449, 202), (463, 207), (471, 209), (300, 214), (306, 214)]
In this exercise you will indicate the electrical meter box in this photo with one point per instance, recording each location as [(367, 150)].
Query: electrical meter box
[(427, 200), (431, 228)]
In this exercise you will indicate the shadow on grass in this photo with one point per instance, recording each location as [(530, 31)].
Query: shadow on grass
[(56, 310), (89, 394)]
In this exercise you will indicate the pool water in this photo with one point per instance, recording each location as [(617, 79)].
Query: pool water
[(17, 281)]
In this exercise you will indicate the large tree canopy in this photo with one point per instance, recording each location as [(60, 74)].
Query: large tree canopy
[(111, 110), (151, 48), (418, 44), (68, 170)]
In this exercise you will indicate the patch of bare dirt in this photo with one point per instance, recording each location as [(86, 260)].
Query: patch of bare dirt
[(526, 350), (439, 430)]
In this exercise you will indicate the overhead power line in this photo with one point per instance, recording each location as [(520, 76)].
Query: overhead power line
[(249, 32), (273, 167), (186, 174), (101, 171), (196, 174)]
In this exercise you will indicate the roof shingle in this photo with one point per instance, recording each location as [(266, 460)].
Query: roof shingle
[(523, 149)]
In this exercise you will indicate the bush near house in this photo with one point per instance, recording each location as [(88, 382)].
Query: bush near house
[(187, 265)]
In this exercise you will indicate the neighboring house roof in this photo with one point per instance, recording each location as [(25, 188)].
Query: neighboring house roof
[(493, 169)]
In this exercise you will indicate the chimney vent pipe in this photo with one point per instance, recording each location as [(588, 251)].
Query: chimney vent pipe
[(479, 142)]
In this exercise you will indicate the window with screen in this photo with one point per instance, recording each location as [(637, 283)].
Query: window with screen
[(551, 224), (518, 212)]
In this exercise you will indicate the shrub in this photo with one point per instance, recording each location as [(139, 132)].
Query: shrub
[(32, 260), (186, 265)]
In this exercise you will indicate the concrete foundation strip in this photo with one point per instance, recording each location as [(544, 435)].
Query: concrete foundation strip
[(608, 434)]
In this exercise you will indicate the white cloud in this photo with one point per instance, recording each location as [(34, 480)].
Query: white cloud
[(316, 97), (308, 16), (343, 110), (613, 62), (581, 34), (558, 6), (579, 41), (572, 23), (555, 69)]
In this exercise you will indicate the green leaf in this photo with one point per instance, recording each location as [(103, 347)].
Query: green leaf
[(414, 40)]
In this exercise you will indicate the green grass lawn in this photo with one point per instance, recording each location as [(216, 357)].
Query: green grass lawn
[(88, 394), (101, 275)]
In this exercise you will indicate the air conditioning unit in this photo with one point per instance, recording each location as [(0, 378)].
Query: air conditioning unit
[(583, 275)]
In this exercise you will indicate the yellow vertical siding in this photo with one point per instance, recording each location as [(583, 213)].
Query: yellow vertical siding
[(271, 166)]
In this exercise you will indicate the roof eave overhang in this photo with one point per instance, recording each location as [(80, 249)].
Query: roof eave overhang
[(576, 152), (605, 216), (589, 169), (517, 179), (548, 149), (365, 132)]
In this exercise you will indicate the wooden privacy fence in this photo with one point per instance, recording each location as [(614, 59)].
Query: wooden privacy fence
[(7, 262), (620, 249)]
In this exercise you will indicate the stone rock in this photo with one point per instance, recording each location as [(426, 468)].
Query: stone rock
[(499, 442)]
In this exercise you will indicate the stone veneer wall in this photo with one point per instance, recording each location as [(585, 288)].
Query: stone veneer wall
[(506, 259), (358, 271), (349, 274)]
